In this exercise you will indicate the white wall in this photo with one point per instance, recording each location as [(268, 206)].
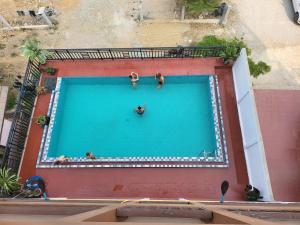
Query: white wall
[(252, 140)]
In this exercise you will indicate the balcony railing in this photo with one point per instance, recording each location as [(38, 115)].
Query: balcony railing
[(135, 53)]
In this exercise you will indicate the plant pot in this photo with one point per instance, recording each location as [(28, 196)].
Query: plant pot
[(43, 121), (229, 62), (50, 71), (53, 72)]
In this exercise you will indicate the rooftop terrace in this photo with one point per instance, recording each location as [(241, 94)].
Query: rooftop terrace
[(143, 182), (159, 183)]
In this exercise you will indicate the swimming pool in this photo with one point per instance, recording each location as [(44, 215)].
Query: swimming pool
[(182, 121)]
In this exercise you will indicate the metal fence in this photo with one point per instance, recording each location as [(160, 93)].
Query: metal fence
[(21, 120), (135, 53), (22, 117)]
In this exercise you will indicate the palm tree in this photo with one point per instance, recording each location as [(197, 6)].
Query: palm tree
[(31, 50)]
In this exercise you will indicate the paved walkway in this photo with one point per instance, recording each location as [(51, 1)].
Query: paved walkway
[(279, 116)]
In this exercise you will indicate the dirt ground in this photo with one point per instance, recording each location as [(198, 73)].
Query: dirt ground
[(100, 23), (270, 31)]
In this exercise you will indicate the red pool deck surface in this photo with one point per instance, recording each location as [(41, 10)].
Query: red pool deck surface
[(170, 183), (279, 117)]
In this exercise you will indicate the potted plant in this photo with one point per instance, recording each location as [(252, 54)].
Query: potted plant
[(31, 50), (229, 54), (9, 182), (43, 120), (40, 90), (50, 70)]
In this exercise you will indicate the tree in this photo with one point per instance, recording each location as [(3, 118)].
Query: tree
[(31, 50)]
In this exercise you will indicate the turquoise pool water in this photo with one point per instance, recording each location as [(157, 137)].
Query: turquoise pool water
[(97, 115)]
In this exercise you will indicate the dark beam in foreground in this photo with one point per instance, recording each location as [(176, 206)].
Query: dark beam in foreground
[(165, 211)]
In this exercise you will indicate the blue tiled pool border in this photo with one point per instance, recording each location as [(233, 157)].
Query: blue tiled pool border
[(220, 160)]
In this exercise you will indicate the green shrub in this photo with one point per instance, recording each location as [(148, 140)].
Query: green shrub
[(212, 40), (43, 120), (11, 100), (8, 182), (51, 70), (196, 7), (228, 53), (259, 68)]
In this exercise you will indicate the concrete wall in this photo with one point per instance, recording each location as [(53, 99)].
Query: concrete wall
[(252, 140)]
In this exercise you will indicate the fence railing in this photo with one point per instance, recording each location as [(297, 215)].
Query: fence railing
[(135, 53), (22, 117)]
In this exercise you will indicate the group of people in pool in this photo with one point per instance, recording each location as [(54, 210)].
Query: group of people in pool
[(63, 159), (134, 78)]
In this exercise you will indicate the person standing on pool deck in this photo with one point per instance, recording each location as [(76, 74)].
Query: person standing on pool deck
[(134, 78), (140, 110), (161, 80)]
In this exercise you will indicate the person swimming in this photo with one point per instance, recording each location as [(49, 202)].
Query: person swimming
[(140, 110), (161, 80), (90, 155), (60, 160), (134, 78)]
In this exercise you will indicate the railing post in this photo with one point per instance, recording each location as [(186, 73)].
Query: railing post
[(58, 55), (99, 54), (70, 54), (141, 54), (110, 54)]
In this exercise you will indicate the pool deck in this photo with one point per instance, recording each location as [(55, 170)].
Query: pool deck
[(171, 183), (279, 116)]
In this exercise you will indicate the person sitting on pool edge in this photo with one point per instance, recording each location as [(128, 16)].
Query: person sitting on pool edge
[(161, 80), (90, 155), (60, 160), (134, 78), (140, 110)]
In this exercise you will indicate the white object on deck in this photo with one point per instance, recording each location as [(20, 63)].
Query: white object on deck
[(256, 161), (5, 132), (3, 98)]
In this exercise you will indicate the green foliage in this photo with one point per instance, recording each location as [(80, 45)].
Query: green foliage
[(259, 68), (8, 182), (31, 50), (194, 7), (11, 100), (50, 70), (230, 52), (212, 40), (2, 46), (41, 120)]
